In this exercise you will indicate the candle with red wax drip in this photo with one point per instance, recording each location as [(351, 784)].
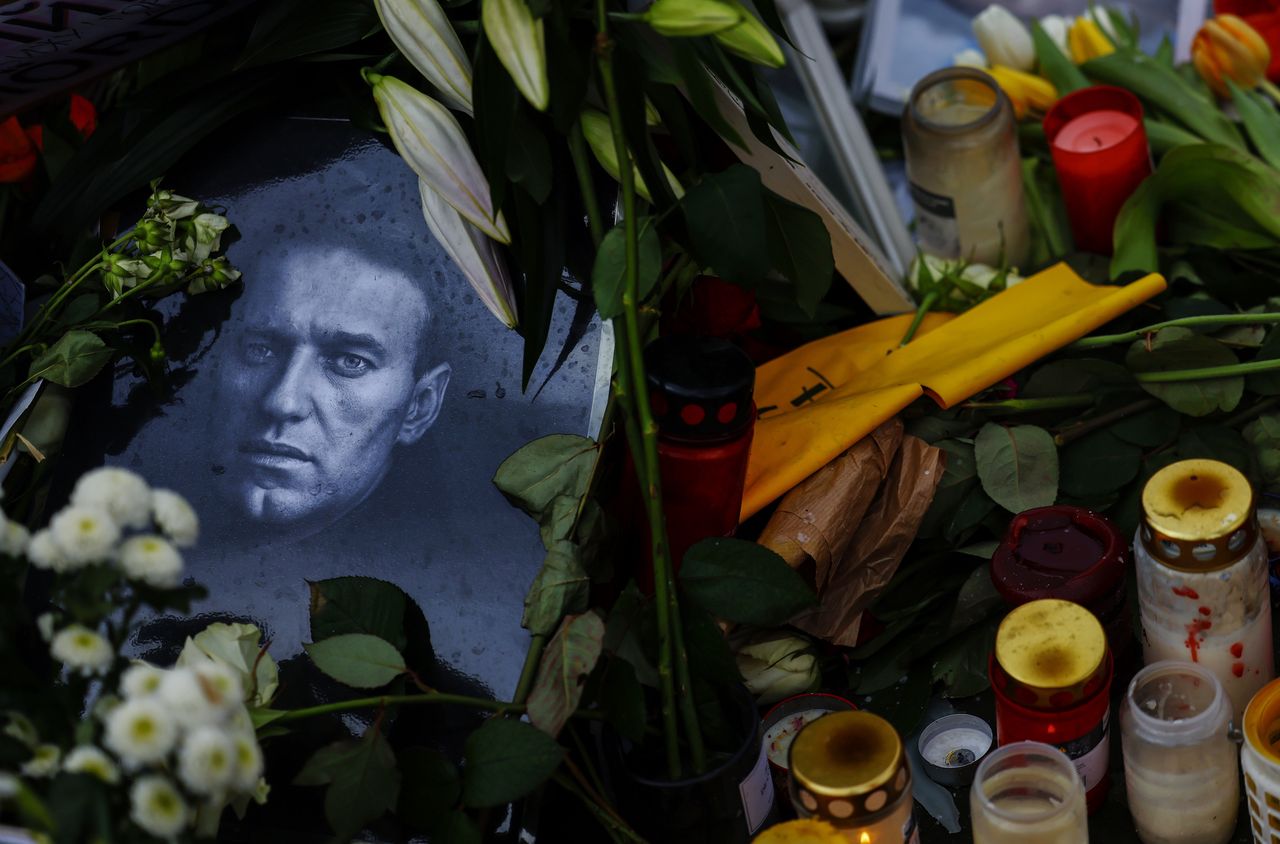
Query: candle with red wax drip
[(1100, 151)]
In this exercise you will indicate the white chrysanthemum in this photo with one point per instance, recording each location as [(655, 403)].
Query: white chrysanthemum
[(44, 623), (152, 560), (141, 730), (87, 759), (80, 648), (141, 679), (248, 762), (13, 538), (44, 763), (158, 807), (200, 695), (124, 495), (175, 517), (85, 534), (9, 785), (44, 553), (207, 760)]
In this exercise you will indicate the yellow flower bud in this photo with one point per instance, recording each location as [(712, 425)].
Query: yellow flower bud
[(1087, 41), (1028, 93), (1226, 47), (751, 39)]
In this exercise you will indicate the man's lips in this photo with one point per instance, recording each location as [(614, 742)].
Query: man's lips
[(273, 453)]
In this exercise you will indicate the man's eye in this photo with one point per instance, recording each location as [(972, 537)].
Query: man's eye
[(257, 352), (350, 365)]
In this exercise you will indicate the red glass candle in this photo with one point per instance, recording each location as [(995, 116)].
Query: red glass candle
[(1100, 151), (700, 389), (1051, 672), (1073, 554)]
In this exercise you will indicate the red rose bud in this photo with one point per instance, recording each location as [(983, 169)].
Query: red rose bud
[(18, 151)]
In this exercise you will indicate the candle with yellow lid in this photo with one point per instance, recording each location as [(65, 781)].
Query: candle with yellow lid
[(1201, 566), (850, 770), (1260, 759), (800, 832)]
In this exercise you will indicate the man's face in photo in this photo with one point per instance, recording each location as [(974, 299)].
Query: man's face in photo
[(325, 376)]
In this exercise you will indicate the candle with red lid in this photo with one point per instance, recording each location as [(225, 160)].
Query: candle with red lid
[(1100, 151)]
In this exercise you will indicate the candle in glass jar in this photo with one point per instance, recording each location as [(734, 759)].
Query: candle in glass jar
[(850, 769), (964, 169), (1028, 792), (1100, 152), (1260, 759), (1051, 674), (1203, 588), (1181, 768)]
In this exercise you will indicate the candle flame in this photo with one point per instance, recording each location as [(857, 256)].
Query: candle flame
[(865, 839)]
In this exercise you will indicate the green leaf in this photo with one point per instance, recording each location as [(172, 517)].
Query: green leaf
[(1266, 383), (1263, 436), (357, 659), (1097, 464), (431, 787), (73, 360), (1261, 122), (725, 216), (1075, 375), (362, 778), (1148, 429), (1018, 466), (1055, 65), (624, 633), (1164, 137), (609, 275), (287, 30), (1179, 348), (700, 88), (79, 805), (358, 605), (1216, 442), (505, 761), (709, 654), (528, 156), (902, 704), (568, 659), (622, 699), (1164, 88), (541, 470), (958, 481), (961, 665), (561, 587), (743, 582), (800, 249)]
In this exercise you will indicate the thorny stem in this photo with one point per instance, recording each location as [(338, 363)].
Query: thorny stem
[(1102, 340), (631, 365), (1207, 372), (1071, 433), (498, 706), (1250, 413)]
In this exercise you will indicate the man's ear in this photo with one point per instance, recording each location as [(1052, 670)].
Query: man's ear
[(428, 396)]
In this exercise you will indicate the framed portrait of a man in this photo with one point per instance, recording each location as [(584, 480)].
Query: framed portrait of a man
[(343, 411)]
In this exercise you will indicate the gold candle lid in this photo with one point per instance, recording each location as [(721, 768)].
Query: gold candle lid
[(1052, 653), (848, 765), (1197, 515)]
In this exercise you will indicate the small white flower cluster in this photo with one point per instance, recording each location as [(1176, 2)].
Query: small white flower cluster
[(105, 505), (190, 721)]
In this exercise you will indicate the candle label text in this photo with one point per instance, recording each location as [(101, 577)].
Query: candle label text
[(936, 222), (1091, 752), (757, 793)]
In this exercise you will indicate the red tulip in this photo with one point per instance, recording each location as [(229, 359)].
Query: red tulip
[(83, 115)]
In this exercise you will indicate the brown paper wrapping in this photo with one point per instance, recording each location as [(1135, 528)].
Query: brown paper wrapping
[(847, 526)]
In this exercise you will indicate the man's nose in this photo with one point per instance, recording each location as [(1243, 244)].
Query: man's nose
[(290, 396)]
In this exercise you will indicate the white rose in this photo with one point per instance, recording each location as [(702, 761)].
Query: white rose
[(777, 665)]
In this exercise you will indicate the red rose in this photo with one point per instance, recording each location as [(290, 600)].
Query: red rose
[(18, 150), (83, 115)]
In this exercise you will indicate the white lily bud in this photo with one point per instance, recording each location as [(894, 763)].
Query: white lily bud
[(1004, 38), (432, 143), (751, 39), (425, 37), (599, 135), (776, 665), (1057, 27), (474, 253), (520, 45)]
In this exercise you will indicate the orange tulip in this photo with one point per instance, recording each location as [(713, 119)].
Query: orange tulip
[(18, 151), (1228, 48)]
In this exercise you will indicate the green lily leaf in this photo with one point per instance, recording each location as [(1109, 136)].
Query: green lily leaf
[(1169, 92), (1261, 122), (1055, 65)]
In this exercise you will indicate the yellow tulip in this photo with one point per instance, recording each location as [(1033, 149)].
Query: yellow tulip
[(1228, 48), (1087, 41), (1030, 94)]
